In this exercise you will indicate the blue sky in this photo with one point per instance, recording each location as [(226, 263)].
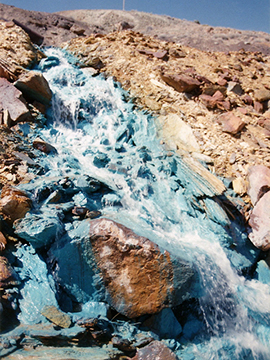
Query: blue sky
[(239, 14)]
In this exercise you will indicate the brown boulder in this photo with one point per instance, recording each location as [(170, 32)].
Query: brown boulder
[(155, 350), (35, 87), (8, 276), (14, 203), (139, 278), (230, 123), (181, 83), (260, 223), (259, 182), (11, 100)]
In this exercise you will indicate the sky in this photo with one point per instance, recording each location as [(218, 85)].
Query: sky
[(238, 14)]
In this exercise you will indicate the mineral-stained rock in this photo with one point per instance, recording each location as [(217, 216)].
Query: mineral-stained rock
[(181, 83), (14, 203), (39, 229), (259, 222), (155, 350), (259, 182), (139, 277), (11, 99), (230, 123), (56, 316), (35, 87)]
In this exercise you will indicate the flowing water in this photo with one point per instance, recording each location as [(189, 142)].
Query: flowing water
[(98, 133)]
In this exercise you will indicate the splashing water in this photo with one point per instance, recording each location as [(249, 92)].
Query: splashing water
[(98, 133)]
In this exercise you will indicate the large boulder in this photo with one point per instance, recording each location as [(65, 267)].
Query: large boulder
[(11, 100), (140, 278), (35, 87), (102, 260), (14, 203)]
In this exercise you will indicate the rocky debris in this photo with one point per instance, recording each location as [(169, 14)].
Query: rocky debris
[(56, 316), (139, 277), (14, 203), (167, 28), (230, 123), (242, 135), (11, 100), (34, 86), (155, 350)]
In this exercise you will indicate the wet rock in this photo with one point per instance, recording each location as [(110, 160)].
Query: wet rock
[(181, 83), (34, 86), (259, 182), (139, 277), (230, 123), (38, 289), (164, 324), (39, 229), (3, 242), (14, 203), (56, 316), (43, 146), (259, 223), (11, 100), (155, 350)]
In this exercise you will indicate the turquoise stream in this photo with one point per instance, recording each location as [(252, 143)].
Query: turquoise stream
[(98, 133)]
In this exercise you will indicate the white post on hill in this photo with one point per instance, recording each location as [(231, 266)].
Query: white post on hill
[(123, 5)]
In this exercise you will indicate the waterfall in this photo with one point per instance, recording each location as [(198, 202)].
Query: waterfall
[(98, 133)]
